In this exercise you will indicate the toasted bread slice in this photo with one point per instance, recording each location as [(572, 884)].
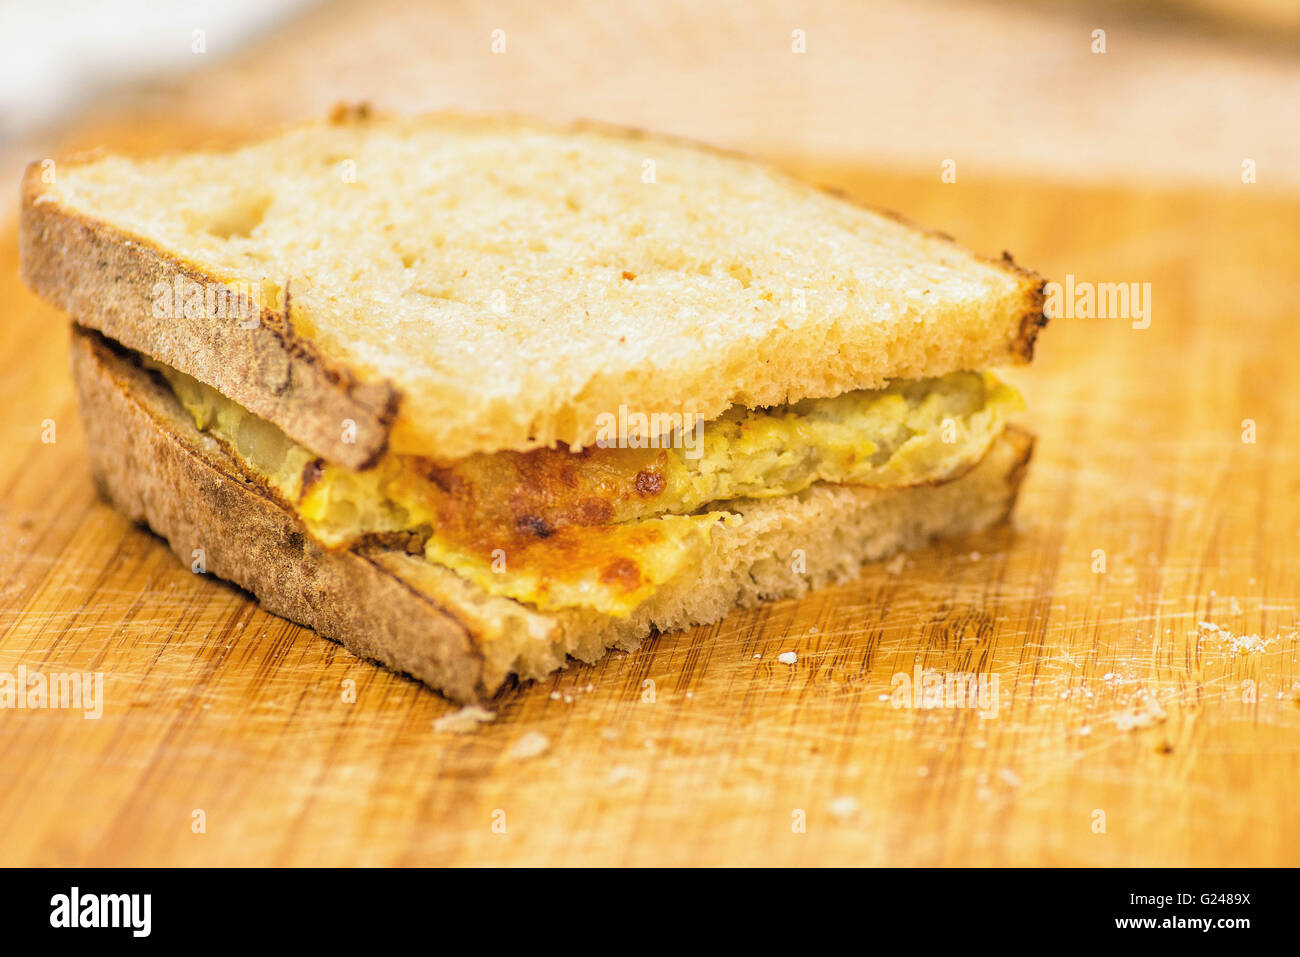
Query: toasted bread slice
[(420, 618), (454, 284)]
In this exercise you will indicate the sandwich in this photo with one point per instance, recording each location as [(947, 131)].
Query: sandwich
[(475, 395)]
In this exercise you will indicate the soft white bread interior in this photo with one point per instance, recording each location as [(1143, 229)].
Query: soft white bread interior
[(454, 283), (416, 617)]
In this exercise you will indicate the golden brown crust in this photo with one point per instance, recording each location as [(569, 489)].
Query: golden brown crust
[(105, 278), (156, 468), (1034, 317)]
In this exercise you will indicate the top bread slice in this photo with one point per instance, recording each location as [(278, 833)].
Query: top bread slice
[(452, 284)]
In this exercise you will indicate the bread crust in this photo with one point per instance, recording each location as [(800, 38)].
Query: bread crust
[(157, 469), (151, 462), (104, 277)]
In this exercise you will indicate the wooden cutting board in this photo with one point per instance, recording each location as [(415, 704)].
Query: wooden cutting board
[(1125, 731)]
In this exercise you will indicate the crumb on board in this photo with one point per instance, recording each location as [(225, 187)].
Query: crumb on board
[(843, 807), (621, 774), (1236, 645), (465, 720), (530, 744), (1144, 712), (787, 658)]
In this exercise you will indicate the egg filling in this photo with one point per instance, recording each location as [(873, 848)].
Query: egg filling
[(603, 527)]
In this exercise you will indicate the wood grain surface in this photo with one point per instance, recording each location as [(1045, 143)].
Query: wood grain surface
[(1126, 732)]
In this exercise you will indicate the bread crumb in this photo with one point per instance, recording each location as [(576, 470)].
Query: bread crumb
[(787, 657), (1145, 713), (896, 564), (465, 720), (1236, 645), (622, 773), (843, 807), (530, 744)]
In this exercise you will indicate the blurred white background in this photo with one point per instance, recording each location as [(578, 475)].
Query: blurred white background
[(56, 55)]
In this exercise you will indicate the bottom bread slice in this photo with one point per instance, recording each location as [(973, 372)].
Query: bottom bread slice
[(419, 618)]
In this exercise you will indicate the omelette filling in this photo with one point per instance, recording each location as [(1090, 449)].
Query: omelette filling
[(604, 527)]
